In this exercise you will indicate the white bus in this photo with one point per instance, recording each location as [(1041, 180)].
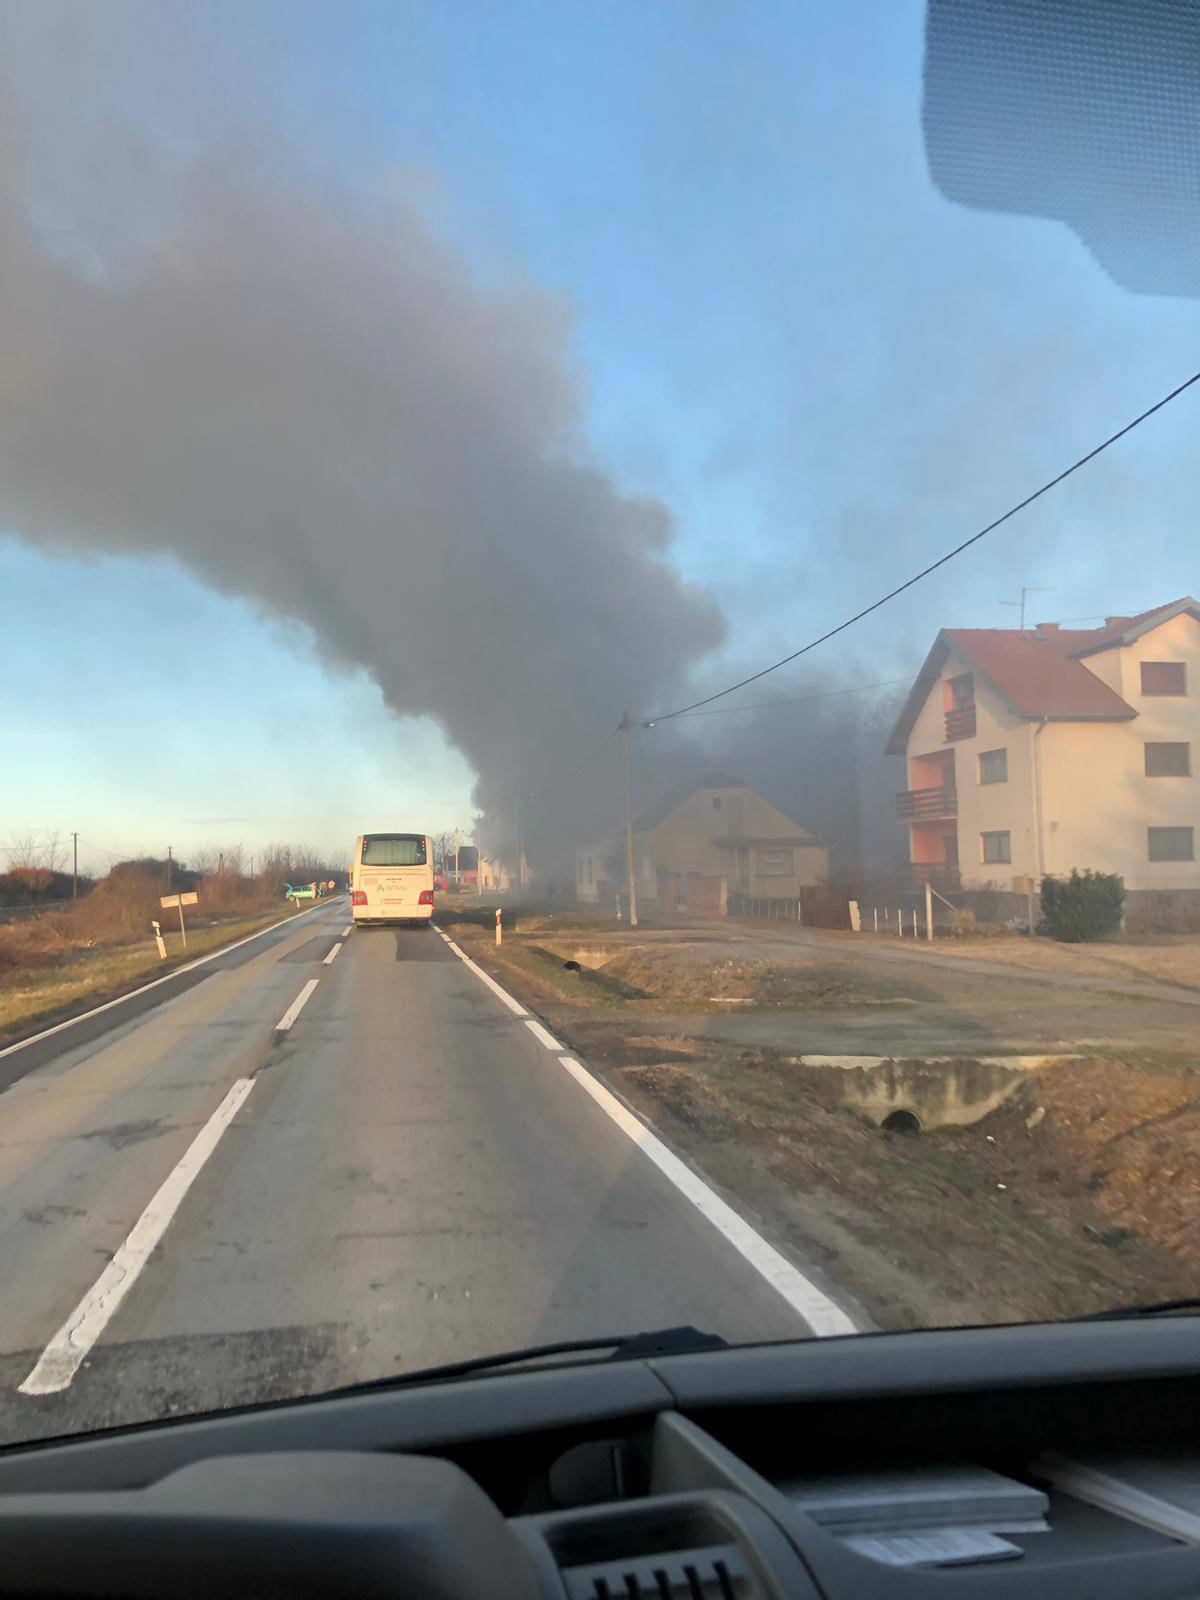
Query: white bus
[(391, 878)]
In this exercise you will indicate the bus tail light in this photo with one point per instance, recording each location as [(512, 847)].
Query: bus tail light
[(425, 898), (358, 897)]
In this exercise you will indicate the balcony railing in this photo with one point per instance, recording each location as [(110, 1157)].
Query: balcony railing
[(960, 722), (939, 873), (924, 805)]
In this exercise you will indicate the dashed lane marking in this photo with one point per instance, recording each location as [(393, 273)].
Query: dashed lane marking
[(62, 1357), (297, 1006)]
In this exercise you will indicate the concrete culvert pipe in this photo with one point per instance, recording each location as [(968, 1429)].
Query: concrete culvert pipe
[(572, 966), (901, 1121)]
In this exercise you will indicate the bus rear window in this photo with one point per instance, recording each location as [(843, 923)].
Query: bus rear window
[(393, 850)]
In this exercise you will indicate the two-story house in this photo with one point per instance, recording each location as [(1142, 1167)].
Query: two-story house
[(1038, 750), (716, 830)]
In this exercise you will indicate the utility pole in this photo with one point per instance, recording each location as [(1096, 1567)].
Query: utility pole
[(74, 866), (457, 874), (517, 836), (1019, 605), (168, 869), (630, 862)]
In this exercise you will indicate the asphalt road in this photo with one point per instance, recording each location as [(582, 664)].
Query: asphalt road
[(408, 1176)]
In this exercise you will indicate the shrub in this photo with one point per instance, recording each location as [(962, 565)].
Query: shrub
[(1083, 907)]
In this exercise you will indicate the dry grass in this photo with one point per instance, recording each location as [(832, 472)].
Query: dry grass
[(1089, 1209), (47, 994), (1154, 958), (54, 964)]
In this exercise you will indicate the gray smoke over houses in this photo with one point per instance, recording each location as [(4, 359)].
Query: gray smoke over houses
[(306, 401)]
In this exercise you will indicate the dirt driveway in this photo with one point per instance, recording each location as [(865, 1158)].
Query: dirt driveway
[(1077, 1190)]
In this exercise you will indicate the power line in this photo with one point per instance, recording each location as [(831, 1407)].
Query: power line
[(666, 716), (607, 740), (113, 855), (794, 700), (553, 783)]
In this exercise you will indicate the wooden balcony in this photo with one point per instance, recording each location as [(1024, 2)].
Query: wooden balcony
[(940, 874), (960, 723), (926, 805)]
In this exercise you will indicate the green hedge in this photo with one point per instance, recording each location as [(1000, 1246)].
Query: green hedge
[(1085, 906)]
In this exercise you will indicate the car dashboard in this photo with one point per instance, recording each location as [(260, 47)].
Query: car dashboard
[(990, 1463)]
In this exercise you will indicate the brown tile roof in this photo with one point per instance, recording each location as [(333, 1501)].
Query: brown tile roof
[(1036, 675), (1039, 672)]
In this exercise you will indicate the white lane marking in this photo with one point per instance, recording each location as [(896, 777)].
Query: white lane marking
[(347, 930), (61, 1358), (823, 1315), (514, 1006), (296, 1007), (329, 959), (189, 966), (540, 1033), (818, 1310)]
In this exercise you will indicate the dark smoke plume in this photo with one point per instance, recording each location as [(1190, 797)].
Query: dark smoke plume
[(307, 401)]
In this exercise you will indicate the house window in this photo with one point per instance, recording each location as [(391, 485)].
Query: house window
[(589, 869), (578, 869), (1170, 844), (1168, 760), (1164, 677), (646, 872), (716, 802), (997, 847), (993, 766), (774, 862)]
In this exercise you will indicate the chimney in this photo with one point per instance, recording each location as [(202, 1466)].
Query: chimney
[(1045, 629)]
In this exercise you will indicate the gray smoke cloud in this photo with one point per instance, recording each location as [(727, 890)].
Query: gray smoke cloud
[(306, 400)]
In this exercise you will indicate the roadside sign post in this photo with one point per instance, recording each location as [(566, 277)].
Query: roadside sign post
[(159, 941), (498, 933), (180, 900)]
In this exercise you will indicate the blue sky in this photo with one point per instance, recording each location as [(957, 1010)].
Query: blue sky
[(778, 327)]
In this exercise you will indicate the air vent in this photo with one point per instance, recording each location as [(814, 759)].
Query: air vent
[(718, 1572)]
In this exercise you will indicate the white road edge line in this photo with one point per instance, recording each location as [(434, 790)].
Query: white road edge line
[(188, 966), (296, 1007), (329, 959), (541, 1034), (62, 1357), (823, 1316), (515, 1006), (347, 930)]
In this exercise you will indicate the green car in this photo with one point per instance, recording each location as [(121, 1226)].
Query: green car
[(304, 892)]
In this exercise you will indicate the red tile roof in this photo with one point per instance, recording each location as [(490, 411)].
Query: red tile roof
[(1120, 628), (1036, 675), (1038, 672)]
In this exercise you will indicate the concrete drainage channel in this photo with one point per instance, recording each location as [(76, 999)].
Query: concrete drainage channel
[(918, 1096), (909, 1096)]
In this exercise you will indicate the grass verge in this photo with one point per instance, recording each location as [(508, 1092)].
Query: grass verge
[(41, 996)]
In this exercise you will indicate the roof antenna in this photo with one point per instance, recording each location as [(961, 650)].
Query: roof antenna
[(1020, 604)]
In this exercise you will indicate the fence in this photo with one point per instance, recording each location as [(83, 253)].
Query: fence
[(775, 910), (814, 907), (901, 913)]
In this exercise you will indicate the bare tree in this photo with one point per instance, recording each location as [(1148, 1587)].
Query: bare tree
[(23, 852), (203, 860), (443, 850)]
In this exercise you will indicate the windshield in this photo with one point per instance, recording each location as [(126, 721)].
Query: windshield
[(392, 850), (727, 475)]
